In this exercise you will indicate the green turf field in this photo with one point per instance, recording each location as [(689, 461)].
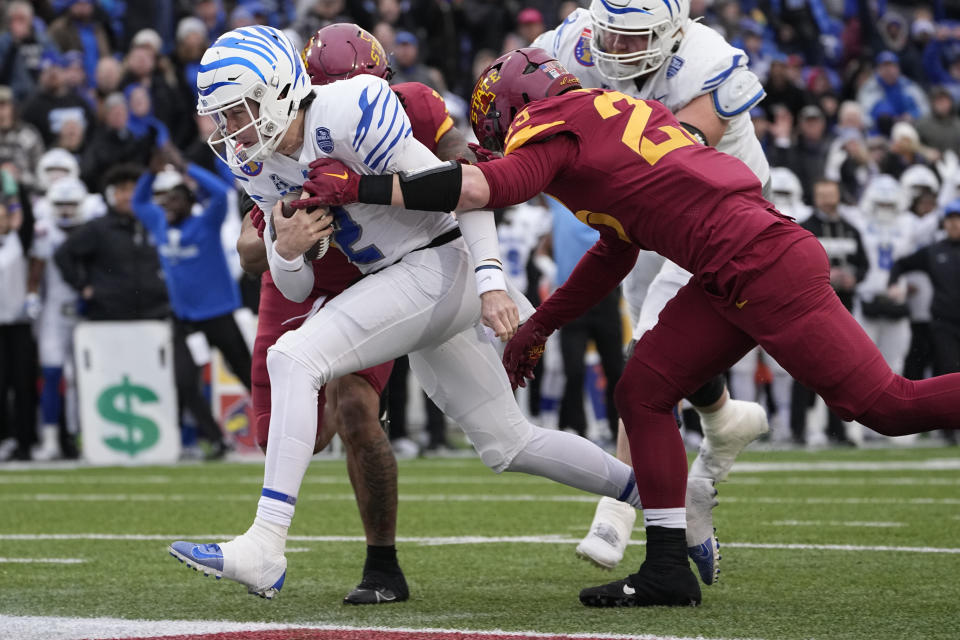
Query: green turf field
[(866, 548)]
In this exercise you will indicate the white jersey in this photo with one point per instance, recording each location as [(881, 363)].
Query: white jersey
[(519, 234), (704, 64), (361, 123), (884, 244)]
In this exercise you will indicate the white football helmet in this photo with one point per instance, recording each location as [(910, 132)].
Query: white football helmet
[(918, 177), (253, 64), (66, 197), (634, 37), (55, 164), (787, 192), (882, 199)]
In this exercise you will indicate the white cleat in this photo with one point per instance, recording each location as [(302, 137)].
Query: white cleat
[(702, 545), (242, 560), (726, 433), (609, 533)]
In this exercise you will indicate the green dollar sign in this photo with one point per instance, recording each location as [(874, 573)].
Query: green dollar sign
[(142, 433)]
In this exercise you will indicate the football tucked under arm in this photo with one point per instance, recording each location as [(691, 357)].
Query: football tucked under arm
[(319, 248)]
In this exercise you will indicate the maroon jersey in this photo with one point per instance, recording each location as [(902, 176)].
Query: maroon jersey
[(632, 172), (427, 111)]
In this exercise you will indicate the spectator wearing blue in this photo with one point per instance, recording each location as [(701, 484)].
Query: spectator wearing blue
[(602, 324), (941, 59), (54, 102), (77, 28), (760, 50), (888, 96), (203, 294), (22, 46)]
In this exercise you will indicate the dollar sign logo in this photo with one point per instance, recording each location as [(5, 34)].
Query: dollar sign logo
[(142, 433)]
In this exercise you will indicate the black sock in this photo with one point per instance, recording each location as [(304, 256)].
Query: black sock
[(382, 559), (666, 545)]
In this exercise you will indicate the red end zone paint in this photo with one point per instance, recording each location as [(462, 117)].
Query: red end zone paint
[(361, 634)]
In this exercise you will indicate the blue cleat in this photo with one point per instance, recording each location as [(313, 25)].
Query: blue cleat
[(702, 545), (240, 559)]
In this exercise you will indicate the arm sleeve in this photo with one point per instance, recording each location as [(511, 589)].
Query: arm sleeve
[(150, 214), (216, 209), (598, 273), (294, 277), (524, 173), (916, 261)]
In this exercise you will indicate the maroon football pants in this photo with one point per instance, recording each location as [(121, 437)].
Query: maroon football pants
[(775, 292)]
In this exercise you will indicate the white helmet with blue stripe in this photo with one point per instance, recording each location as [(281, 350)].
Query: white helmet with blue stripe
[(634, 37), (255, 64)]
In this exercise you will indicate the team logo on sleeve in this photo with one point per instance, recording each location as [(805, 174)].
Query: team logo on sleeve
[(324, 140), (581, 51), (280, 184), (675, 63)]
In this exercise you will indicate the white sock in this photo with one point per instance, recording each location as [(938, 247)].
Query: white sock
[(293, 431), (667, 518), (576, 462)]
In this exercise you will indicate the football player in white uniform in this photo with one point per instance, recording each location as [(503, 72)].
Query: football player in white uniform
[(65, 210), (887, 232), (417, 296), (654, 51)]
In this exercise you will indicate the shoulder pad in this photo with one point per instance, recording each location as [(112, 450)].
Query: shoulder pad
[(739, 92)]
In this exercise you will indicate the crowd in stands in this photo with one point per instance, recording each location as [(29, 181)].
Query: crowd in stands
[(860, 123)]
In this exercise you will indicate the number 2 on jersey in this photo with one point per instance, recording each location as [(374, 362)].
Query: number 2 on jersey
[(633, 135), (347, 234)]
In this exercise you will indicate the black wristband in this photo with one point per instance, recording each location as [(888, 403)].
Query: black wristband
[(375, 189), (696, 133)]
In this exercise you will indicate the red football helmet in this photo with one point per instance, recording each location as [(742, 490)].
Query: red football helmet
[(341, 51), (507, 85)]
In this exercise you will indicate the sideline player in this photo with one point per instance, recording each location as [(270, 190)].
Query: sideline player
[(338, 52), (420, 292), (758, 276), (653, 51)]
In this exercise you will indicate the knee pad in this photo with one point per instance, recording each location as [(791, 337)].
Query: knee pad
[(496, 440)]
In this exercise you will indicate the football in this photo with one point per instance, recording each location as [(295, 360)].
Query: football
[(319, 249)]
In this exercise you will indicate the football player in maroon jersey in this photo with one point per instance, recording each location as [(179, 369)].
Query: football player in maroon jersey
[(627, 168), (338, 52)]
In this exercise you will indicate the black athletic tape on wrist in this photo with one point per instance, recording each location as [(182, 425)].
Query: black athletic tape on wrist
[(375, 189), (696, 133), (434, 189)]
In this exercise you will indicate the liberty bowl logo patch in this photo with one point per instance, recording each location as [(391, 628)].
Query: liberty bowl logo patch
[(581, 51), (324, 140), (675, 63)]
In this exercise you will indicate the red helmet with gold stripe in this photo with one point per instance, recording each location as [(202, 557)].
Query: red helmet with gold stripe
[(508, 84), (341, 51)]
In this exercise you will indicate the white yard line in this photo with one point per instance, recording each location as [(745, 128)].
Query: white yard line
[(454, 540), (833, 523), (56, 628), (42, 561), (440, 497)]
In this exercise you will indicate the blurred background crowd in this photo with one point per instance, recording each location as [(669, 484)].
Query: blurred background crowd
[(98, 97)]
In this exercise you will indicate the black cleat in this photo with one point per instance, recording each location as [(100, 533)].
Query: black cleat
[(666, 586), (379, 588)]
